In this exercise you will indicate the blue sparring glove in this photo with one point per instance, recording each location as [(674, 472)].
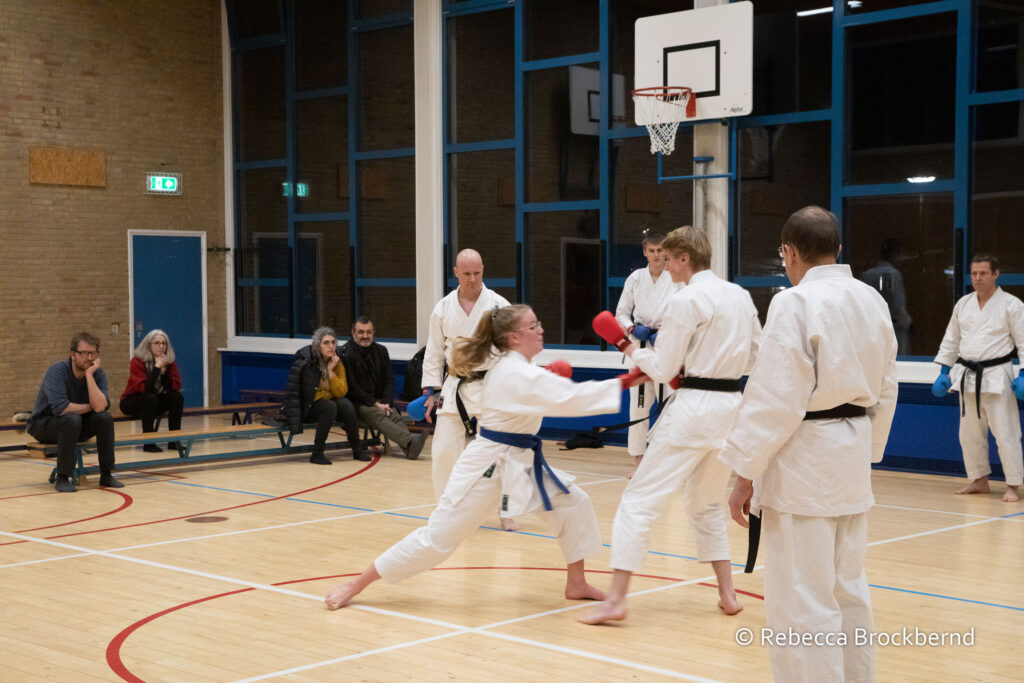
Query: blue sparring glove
[(416, 409), (642, 332), (942, 383), (654, 338), (1018, 386)]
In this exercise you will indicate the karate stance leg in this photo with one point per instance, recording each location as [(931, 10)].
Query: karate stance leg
[(448, 443), (574, 524), (1004, 421), (636, 440), (449, 525)]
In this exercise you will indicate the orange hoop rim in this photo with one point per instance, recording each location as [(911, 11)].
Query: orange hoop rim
[(663, 90)]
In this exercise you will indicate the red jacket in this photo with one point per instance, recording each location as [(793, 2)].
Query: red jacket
[(137, 376)]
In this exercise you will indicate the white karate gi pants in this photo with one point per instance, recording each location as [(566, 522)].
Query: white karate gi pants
[(445, 448), (636, 441), (814, 582), (664, 469), (1000, 414), (572, 522)]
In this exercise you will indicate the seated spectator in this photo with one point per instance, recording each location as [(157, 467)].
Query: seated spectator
[(154, 386), (371, 387), (72, 406), (316, 393)]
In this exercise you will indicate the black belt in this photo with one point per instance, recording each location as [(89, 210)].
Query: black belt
[(468, 422), (841, 411), (710, 384), (978, 367)]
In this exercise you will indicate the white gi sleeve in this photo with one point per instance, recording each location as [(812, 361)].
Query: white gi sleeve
[(776, 395), (1015, 323), (666, 359), (881, 413), (433, 357), (536, 391), (624, 311)]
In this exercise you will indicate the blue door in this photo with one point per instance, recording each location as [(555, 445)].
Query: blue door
[(169, 293)]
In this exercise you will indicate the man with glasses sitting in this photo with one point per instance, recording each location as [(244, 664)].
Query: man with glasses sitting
[(72, 406)]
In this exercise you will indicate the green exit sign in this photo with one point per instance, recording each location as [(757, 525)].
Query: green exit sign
[(163, 183), (301, 189)]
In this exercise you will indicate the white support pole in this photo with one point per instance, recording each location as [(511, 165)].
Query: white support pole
[(427, 26)]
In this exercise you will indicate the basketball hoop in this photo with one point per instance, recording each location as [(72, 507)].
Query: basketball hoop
[(662, 108)]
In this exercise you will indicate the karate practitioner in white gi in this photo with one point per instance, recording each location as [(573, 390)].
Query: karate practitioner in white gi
[(815, 414), (985, 333), (711, 328), (456, 315), (642, 305), (501, 465)]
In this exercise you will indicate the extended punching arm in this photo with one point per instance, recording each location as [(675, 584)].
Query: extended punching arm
[(609, 329)]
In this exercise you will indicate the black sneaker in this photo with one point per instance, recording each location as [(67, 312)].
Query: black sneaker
[(361, 455), (319, 459), (64, 485), (416, 446), (108, 481), (152, 448)]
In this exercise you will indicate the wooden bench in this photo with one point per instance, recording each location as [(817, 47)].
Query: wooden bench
[(185, 440)]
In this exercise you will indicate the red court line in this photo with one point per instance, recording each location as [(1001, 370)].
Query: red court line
[(375, 460), (117, 665), (125, 503)]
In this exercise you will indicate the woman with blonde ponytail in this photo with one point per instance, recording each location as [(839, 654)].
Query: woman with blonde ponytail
[(504, 464)]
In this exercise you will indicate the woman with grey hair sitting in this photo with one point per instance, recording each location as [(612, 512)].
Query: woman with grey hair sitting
[(316, 393), (154, 386)]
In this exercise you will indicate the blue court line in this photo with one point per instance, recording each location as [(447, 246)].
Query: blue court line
[(946, 597)]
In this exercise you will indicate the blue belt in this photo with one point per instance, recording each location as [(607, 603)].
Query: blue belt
[(531, 441)]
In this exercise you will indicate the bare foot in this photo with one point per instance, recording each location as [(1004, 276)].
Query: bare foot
[(339, 596), (730, 606), (509, 524), (976, 486), (583, 591), (1011, 495), (604, 612)]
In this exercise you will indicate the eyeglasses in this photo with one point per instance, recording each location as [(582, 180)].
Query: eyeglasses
[(329, 342), (87, 354), (782, 252), (532, 326)]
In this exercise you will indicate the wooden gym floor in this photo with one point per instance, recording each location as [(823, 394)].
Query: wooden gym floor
[(217, 572)]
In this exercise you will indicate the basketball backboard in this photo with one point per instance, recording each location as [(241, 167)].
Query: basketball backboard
[(710, 50), (584, 99)]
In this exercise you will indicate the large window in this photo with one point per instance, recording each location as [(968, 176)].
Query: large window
[(324, 178)]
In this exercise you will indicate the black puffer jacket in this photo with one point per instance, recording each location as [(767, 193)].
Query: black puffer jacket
[(303, 380)]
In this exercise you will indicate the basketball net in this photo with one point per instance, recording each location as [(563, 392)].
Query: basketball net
[(663, 107)]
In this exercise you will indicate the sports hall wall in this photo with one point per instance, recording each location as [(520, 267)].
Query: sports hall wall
[(109, 91)]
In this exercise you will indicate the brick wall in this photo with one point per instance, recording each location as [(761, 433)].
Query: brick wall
[(141, 82)]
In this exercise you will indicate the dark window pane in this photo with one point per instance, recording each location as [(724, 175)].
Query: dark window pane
[(387, 218), (481, 63), (871, 5), (377, 8), (997, 188), (556, 29), (323, 277), (262, 256), (392, 310), (560, 165), (782, 169), (792, 57), (259, 104), (1000, 27), (386, 89), (906, 239), (639, 203), (623, 16), (762, 297), (483, 208), (255, 18), (321, 34), (901, 99), (322, 154), (564, 283)]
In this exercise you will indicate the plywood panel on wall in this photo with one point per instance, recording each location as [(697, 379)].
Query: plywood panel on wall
[(67, 166)]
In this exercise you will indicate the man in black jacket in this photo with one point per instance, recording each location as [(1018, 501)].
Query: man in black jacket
[(371, 388)]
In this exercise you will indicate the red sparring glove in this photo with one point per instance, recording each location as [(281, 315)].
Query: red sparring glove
[(609, 329), (676, 381), (633, 377), (561, 368)]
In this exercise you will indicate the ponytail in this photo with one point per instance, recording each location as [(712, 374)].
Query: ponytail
[(469, 353)]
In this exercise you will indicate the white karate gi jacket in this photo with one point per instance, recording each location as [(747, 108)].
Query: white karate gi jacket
[(976, 333), (448, 321), (711, 327), (826, 342), (644, 300), (516, 397)]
